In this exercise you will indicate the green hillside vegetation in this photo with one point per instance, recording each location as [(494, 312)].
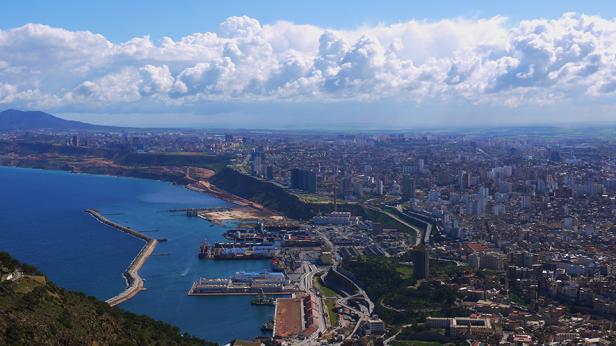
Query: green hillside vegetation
[(271, 196), (399, 298), (34, 311), (329, 297), (38, 147)]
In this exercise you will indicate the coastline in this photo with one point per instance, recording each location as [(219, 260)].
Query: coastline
[(194, 184), (116, 174), (213, 190), (235, 318), (134, 280)]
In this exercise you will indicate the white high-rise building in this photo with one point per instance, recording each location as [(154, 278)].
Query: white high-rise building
[(379, 187)]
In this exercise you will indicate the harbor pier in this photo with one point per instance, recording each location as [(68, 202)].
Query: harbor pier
[(133, 280)]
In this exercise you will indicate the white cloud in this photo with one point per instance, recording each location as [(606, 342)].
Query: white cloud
[(155, 79), (477, 61), (7, 93), (205, 78)]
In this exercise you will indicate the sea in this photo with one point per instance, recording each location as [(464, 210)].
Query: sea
[(43, 223)]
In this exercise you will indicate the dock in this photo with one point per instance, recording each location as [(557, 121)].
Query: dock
[(224, 288), (206, 294), (243, 283), (134, 281)]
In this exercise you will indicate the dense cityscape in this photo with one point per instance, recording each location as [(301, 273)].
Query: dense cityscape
[(312, 173), (504, 238)]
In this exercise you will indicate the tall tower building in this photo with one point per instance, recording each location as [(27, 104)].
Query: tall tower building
[(303, 180), (379, 187), (420, 165), (408, 186), (421, 259)]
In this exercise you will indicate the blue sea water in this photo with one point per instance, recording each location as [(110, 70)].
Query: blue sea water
[(42, 222)]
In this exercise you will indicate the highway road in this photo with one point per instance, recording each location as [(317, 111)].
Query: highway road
[(393, 337), (306, 285), (342, 301), (418, 233)]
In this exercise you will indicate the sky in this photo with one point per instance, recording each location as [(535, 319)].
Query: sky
[(311, 64)]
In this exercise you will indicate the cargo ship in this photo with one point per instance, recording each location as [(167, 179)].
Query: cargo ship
[(205, 250), (252, 252), (244, 250), (262, 299)]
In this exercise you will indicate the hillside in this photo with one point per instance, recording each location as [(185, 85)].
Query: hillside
[(193, 159), (12, 119), (277, 198), (34, 311), (265, 193)]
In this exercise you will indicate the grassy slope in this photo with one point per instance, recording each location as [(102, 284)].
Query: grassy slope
[(33, 313), (270, 195), (329, 296)]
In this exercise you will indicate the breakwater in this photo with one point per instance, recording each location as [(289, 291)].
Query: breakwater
[(133, 280)]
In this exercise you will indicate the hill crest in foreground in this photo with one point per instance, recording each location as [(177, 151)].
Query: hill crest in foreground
[(37, 312)]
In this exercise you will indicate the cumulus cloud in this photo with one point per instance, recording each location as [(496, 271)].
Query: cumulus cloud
[(155, 79), (7, 93), (477, 61)]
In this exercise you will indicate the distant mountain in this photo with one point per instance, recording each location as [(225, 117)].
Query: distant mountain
[(12, 119)]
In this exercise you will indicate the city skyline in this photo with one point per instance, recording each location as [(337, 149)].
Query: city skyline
[(272, 173), (397, 67)]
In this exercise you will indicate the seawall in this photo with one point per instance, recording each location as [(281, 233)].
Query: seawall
[(135, 282)]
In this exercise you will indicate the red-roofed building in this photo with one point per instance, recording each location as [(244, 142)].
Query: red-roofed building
[(476, 247)]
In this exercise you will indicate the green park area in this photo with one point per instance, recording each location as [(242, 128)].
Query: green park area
[(400, 298), (329, 297)]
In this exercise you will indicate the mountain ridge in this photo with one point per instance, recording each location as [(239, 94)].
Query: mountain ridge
[(14, 120)]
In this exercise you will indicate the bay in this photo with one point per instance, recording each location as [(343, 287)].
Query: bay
[(42, 222)]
